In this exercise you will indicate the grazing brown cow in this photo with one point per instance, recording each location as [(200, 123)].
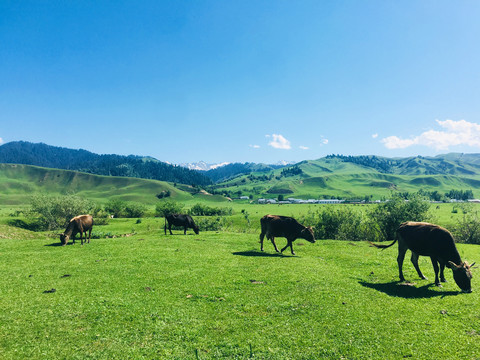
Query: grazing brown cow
[(284, 226), (79, 224), (431, 240)]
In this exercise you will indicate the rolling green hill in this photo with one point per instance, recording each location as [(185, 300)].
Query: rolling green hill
[(19, 182), (339, 176), (358, 177)]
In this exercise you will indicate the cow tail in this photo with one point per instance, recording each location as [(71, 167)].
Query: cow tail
[(383, 246), (165, 228)]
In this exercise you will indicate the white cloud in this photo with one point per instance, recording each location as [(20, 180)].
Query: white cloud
[(255, 146), (1, 141), (279, 142), (324, 141), (374, 136), (454, 133), (304, 147)]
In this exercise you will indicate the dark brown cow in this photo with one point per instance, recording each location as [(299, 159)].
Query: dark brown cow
[(180, 220), (79, 224), (431, 240), (284, 226)]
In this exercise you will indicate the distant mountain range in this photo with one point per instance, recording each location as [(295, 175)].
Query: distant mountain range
[(203, 166), (329, 176)]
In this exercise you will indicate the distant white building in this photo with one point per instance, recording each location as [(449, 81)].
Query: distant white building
[(330, 201)]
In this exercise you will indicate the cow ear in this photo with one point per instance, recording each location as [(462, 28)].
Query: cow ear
[(453, 266)]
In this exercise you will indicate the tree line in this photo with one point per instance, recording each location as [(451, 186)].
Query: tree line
[(22, 152)]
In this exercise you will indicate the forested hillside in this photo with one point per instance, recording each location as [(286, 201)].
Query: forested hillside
[(450, 164), (231, 170), (22, 152)]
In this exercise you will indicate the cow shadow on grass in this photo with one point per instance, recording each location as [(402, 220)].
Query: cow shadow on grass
[(60, 244), (407, 290), (260, 254)]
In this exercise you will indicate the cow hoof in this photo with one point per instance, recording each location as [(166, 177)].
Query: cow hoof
[(439, 285)]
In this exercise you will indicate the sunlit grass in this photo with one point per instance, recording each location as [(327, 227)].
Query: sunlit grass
[(214, 295)]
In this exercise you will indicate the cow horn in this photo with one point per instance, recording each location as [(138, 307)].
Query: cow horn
[(453, 265), (471, 265)]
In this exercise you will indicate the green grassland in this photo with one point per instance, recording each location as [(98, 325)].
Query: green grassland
[(144, 295), (379, 186), (135, 293), (335, 178)]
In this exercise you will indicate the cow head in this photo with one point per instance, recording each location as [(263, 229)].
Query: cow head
[(307, 234), (196, 229), (64, 239), (462, 275)]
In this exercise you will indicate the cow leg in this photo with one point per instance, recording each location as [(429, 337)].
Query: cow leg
[(272, 239), (414, 260), (262, 235), (81, 236), (442, 276), (289, 243), (435, 268), (89, 235), (291, 246), (170, 228), (402, 249), (184, 230)]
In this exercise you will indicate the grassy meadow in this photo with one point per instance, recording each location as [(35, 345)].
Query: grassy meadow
[(140, 294), (135, 293)]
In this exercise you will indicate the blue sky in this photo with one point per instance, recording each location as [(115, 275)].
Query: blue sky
[(258, 81)]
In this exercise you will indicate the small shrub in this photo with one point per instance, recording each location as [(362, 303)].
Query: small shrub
[(205, 210), (212, 223), (101, 235), (100, 220), (389, 215), (116, 207), (134, 210), (164, 194), (54, 212), (467, 229), (342, 223), (168, 207)]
